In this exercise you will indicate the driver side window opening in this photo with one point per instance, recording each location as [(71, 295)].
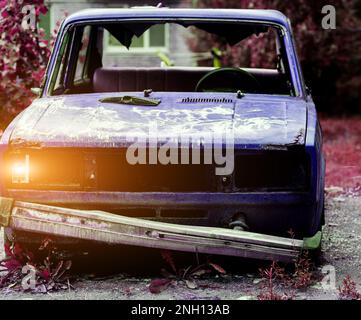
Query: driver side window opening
[(132, 57)]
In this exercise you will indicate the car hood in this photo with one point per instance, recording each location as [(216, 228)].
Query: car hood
[(83, 121)]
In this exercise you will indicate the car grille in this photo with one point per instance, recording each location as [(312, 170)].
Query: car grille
[(272, 171), (108, 170), (115, 174)]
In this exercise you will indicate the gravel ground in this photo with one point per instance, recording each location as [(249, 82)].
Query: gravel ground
[(341, 252)]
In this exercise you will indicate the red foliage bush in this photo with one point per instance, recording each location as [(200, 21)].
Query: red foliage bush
[(269, 292), (50, 274), (23, 57), (342, 147), (348, 290)]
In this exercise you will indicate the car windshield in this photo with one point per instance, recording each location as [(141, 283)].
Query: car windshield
[(186, 56)]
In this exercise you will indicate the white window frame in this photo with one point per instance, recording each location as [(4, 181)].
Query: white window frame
[(145, 49)]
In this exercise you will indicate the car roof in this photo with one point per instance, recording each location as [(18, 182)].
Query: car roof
[(253, 15)]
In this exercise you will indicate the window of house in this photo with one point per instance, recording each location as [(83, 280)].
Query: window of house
[(153, 40)]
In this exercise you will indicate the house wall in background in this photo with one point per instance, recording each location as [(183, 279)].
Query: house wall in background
[(177, 44), (57, 8)]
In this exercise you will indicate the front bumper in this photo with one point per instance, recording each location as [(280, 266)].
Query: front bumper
[(114, 229), (194, 199), (272, 213)]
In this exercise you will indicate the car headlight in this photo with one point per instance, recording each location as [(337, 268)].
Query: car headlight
[(20, 170)]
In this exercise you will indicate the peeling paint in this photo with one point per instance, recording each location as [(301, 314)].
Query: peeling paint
[(22, 143), (81, 120)]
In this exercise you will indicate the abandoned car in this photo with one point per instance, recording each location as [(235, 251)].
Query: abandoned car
[(144, 134)]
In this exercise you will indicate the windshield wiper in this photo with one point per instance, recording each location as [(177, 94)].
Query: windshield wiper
[(130, 100)]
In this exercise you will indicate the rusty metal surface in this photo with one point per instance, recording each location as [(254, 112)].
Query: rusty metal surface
[(164, 199), (114, 229), (5, 209), (82, 121)]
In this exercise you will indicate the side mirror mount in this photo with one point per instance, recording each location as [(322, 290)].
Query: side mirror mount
[(36, 91)]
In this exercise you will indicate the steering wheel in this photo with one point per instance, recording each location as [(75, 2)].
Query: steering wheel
[(228, 80)]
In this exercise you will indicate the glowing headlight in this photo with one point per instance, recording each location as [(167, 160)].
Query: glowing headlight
[(20, 171)]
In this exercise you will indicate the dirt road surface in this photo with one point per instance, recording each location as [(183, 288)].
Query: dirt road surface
[(341, 256)]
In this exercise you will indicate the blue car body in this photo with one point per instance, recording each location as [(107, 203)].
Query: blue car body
[(265, 125)]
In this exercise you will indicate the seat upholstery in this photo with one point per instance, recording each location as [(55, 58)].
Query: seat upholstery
[(139, 79), (119, 79)]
